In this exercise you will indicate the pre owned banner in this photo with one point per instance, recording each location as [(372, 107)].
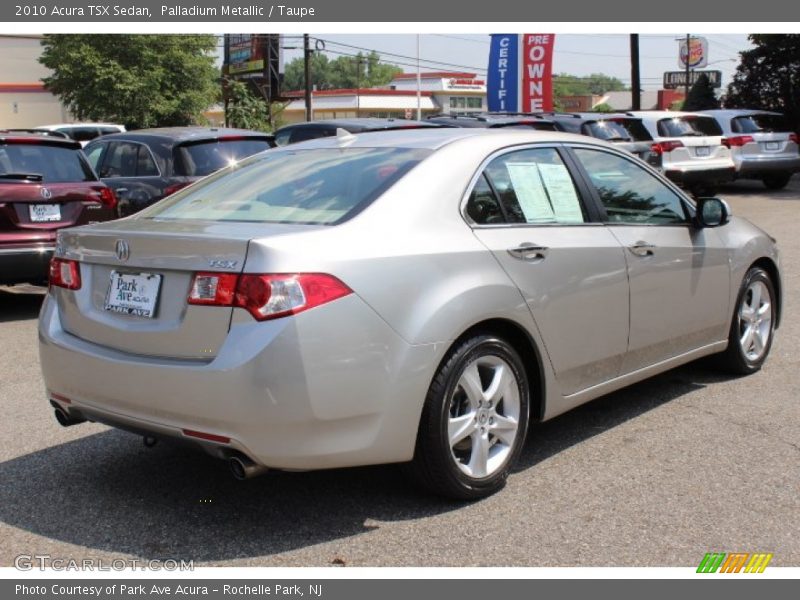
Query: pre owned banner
[(520, 72)]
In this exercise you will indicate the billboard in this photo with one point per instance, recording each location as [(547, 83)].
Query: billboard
[(257, 57), (520, 77), (677, 79)]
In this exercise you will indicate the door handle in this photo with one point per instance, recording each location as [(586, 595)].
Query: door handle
[(642, 249), (528, 251)]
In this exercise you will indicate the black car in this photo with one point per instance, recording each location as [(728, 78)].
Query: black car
[(494, 121), (624, 130), (300, 132), (146, 165)]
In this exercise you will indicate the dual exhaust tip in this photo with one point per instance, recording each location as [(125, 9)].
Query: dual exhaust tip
[(240, 465)]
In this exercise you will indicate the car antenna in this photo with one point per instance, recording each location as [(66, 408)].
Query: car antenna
[(343, 136)]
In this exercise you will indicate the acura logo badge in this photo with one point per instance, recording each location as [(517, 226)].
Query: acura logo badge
[(46, 194), (122, 249)]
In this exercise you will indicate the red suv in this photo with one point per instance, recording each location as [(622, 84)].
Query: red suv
[(46, 184)]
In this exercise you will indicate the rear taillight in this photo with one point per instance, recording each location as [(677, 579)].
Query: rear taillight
[(65, 273), (793, 138), (267, 296), (171, 189), (108, 198), (737, 141), (215, 289), (664, 147)]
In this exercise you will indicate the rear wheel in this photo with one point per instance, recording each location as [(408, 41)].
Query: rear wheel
[(753, 325), (777, 181), (474, 420)]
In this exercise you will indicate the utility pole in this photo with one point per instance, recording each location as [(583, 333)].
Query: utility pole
[(307, 72), (636, 84), (688, 56)]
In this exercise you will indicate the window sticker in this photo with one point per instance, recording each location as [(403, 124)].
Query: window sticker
[(531, 195), (561, 191)]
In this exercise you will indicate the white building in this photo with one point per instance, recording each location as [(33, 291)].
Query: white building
[(23, 100), (440, 92)]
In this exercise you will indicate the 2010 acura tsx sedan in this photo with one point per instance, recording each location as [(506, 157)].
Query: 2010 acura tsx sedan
[(413, 297)]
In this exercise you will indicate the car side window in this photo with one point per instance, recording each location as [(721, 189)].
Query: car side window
[(535, 186), (94, 154), (128, 159), (628, 192), (482, 206)]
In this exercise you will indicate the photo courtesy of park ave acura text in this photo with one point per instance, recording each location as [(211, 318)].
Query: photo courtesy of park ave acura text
[(390, 299)]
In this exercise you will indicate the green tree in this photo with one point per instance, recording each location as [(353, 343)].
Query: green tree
[(246, 109), (596, 84), (768, 76), (361, 70), (701, 95), (137, 80)]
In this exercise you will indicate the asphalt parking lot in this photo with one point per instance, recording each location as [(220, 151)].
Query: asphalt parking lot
[(656, 475)]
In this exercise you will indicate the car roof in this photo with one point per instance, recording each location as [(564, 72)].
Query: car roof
[(37, 138), (361, 122), (488, 118), (726, 113), (76, 125), (435, 138), (663, 114), (183, 134)]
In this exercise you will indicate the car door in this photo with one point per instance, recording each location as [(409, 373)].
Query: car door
[(527, 209), (131, 170), (679, 273)]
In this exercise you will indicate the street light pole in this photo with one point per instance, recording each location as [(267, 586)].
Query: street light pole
[(307, 73)]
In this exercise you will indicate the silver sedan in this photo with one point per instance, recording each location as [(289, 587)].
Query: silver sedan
[(415, 297)]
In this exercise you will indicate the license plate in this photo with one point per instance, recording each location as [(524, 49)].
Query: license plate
[(703, 151), (44, 213), (133, 294), (772, 146)]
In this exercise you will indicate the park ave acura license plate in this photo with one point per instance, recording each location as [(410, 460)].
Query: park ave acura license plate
[(133, 293)]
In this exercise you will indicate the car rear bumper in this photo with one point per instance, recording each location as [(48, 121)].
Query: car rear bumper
[(303, 392), (689, 177), (25, 264), (766, 165)]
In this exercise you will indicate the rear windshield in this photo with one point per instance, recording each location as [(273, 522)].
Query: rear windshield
[(203, 158), (321, 186), (625, 130), (42, 162), (759, 123), (688, 127)]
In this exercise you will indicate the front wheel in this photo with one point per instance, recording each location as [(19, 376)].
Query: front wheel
[(474, 420), (753, 325)]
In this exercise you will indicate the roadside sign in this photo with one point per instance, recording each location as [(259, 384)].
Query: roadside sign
[(697, 53), (677, 79)]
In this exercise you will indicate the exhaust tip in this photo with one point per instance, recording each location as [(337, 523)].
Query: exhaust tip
[(243, 468), (62, 418)]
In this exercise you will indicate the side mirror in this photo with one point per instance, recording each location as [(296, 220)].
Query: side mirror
[(712, 212)]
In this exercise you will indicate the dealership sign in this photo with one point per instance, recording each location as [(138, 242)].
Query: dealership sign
[(697, 53), (677, 79), (520, 72)]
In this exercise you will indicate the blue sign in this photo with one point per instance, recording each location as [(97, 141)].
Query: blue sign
[(502, 85)]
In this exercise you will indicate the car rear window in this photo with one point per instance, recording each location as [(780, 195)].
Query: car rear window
[(43, 162), (688, 127), (607, 130), (320, 186), (759, 123), (199, 159)]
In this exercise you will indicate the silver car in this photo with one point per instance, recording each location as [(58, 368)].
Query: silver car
[(762, 145), (411, 297)]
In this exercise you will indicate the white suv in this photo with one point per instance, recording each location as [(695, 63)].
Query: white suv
[(84, 132), (762, 144), (692, 150)]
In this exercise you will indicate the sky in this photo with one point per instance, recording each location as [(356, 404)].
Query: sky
[(576, 54)]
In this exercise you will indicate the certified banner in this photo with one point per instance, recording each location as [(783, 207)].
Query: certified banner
[(520, 77)]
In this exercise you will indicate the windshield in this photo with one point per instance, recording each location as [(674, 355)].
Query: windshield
[(322, 186), (42, 162), (688, 126), (203, 158), (759, 124)]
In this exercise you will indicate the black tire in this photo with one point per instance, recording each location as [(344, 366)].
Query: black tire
[(777, 181), (441, 469), (734, 359)]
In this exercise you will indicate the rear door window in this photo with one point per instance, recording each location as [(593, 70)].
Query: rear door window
[(128, 159), (532, 186)]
